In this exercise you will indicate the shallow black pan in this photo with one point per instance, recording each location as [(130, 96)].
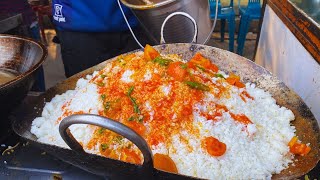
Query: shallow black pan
[(305, 123)]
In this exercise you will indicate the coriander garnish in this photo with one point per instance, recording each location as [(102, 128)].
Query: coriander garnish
[(219, 75), (162, 61), (104, 147), (196, 85)]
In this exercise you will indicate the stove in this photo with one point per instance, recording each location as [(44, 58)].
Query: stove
[(21, 160)]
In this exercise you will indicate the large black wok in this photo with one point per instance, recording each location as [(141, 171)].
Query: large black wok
[(305, 123), (23, 57)]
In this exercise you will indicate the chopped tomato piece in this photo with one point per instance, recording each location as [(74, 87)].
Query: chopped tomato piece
[(156, 77), (231, 81), (176, 71), (239, 84), (165, 163), (298, 148), (235, 80), (130, 156), (293, 140), (191, 65), (198, 59), (213, 67), (129, 57), (241, 118), (213, 146), (186, 110), (233, 76), (150, 53)]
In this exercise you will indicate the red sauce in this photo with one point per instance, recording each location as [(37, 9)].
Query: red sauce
[(216, 112), (241, 118), (245, 94)]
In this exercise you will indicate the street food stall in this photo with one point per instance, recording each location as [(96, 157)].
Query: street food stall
[(173, 110)]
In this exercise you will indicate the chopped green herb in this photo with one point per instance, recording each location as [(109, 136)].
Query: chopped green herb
[(135, 105), (120, 59), (101, 84), (104, 147), (103, 96), (129, 146), (122, 62), (101, 130), (131, 118), (219, 75), (162, 61), (201, 68), (107, 105), (102, 76), (130, 90), (118, 139), (189, 72), (196, 85), (183, 66)]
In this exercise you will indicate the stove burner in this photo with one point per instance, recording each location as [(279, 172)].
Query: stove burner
[(26, 161)]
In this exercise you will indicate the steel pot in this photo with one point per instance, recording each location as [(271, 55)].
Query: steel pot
[(192, 21)]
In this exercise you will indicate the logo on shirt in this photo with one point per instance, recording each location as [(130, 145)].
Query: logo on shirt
[(58, 16)]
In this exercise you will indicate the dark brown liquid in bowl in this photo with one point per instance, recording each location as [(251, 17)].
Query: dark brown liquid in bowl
[(6, 76)]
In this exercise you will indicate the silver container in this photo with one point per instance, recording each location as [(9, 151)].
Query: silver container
[(179, 28)]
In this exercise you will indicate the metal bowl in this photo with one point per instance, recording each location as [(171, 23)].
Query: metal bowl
[(23, 57)]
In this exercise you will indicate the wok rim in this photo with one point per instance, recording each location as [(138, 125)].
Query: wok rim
[(33, 68)]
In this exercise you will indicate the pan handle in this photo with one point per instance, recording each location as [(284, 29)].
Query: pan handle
[(109, 124)]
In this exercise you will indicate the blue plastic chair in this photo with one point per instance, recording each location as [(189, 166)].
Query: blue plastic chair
[(225, 14), (252, 11)]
